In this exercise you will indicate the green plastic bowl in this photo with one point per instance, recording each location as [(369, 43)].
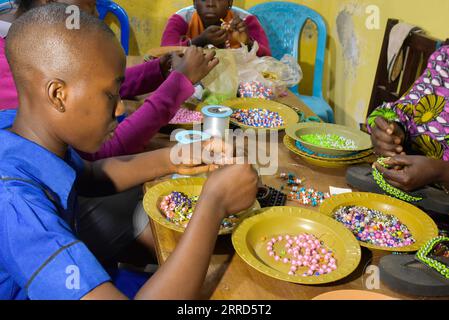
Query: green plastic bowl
[(361, 139)]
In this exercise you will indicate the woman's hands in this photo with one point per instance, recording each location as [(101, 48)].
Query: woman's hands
[(413, 172), (388, 138)]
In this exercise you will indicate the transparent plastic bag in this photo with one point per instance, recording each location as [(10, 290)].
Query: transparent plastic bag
[(268, 71), (223, 81)]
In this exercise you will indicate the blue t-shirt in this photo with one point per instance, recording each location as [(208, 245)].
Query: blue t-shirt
[(40, 255)]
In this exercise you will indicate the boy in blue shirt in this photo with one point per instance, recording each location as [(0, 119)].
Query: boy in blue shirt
[(68, 83)]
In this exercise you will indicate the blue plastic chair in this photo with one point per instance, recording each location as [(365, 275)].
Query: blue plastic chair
[(104, 7), (233, 7), (283, 22)]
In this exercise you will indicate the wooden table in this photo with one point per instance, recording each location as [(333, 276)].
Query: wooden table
[(229, 277)]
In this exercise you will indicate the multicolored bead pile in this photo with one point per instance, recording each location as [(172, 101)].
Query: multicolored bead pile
[(302, 251), (302, 195), (259, 118), (330, 141), (375, 227), (388, 188), (185, 115), (178, 208), (255, 89)]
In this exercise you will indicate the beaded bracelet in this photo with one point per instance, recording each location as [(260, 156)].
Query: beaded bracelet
[(388, 188), (423, 253)]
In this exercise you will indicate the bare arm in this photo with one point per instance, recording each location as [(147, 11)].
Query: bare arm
[(192, 254), (118, 174)]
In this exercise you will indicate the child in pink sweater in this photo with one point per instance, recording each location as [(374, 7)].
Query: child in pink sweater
[(215, 22)]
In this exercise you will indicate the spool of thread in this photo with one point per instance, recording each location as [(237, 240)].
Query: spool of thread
[(191, 136), (216, 120)]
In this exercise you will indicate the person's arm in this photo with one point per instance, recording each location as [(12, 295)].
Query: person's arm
[(257, 33), (192, 254), (142, 79), (112, 175), (175, 33)]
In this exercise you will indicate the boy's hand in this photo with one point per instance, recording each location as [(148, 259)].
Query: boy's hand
[(201, 157), (414, 171), (214, 35), (194, 64), (232, 189), (388, 138), (240, 31)]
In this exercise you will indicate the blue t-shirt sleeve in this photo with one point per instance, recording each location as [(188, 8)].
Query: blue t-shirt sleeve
[(40, 252)]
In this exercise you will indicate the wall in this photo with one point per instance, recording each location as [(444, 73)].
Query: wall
[(353, 49)]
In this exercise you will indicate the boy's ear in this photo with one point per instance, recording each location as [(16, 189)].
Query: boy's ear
[(57, 94)]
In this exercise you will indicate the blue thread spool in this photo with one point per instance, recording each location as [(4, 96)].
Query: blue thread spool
[(191, 136)]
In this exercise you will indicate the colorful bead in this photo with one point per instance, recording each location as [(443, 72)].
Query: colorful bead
[(255, 89), (374, 227), (304, 255), (259, 118), (178, 208), (330, 141), (185, 115)]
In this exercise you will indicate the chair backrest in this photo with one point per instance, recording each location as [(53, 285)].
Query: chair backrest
[(233, 7), (417, 48), (104, 7), (283, 23)]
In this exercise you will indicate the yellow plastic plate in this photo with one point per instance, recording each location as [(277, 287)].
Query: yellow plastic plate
[(324, 162), (361, 139), (251, 236), (289, 116), (189, 186), (418, 222)]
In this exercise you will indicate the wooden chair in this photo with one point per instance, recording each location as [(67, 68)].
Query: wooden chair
[(417, 50)]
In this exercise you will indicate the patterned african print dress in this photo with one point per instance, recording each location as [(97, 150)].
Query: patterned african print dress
[(424, 110)]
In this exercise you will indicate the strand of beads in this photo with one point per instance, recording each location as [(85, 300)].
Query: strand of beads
[(388, 188), (255, 89), (302, 251), (424, 252), (185, 115), (302, 195), (330, 141), (259, 118), (375, 227)]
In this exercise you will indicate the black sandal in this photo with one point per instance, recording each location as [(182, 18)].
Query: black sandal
[(434, 200), (414, 275)]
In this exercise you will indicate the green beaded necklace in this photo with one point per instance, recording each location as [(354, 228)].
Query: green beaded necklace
[(423, 256), (388, 188)]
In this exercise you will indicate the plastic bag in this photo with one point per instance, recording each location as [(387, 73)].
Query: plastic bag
[(268, 71), (223, 81)]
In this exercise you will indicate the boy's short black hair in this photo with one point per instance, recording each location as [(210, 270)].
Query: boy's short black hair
[(39, 34)]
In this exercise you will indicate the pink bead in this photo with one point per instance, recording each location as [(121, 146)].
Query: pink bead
[(269, 248), (287, 237), (291, 273), (277, 258), (285, 260), (328, 270), (310, 273), (280, 238), (332, 260), (293, 269), (290, 251), (271, 253)]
